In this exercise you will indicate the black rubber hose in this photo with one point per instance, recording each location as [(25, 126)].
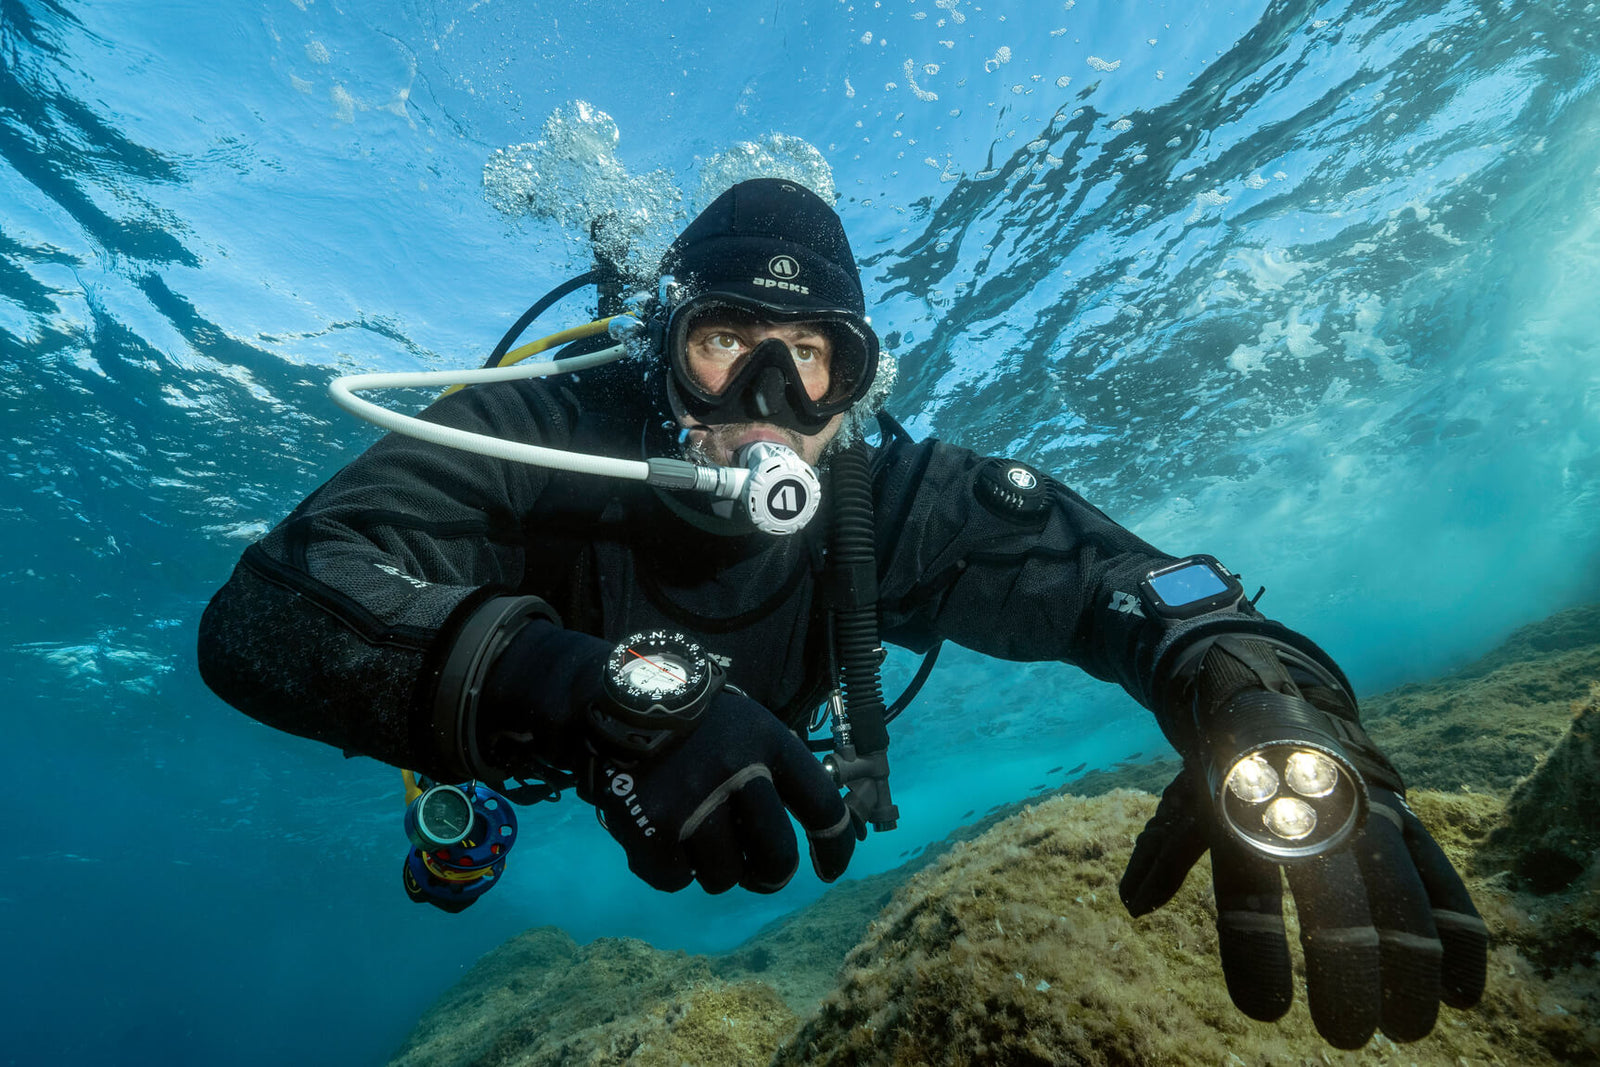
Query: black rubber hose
[(915, 685), (544, 304), (856, 601)]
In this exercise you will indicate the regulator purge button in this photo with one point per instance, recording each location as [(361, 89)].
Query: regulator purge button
[(1012, 490), (783, 491)]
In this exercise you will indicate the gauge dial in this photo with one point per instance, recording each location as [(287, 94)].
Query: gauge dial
[(440, 817), (446, 814), (657, 684), (659, 674)]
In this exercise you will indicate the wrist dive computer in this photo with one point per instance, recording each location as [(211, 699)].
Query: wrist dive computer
[(1189, 587)]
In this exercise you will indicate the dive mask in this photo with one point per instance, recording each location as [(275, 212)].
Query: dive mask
[(767, 385)]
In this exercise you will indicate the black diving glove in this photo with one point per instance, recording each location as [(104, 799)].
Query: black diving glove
[(1386, 924), (712, 806), (1387, 927), (715, 807)]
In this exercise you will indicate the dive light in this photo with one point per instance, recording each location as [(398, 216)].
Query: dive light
[(1279, 781), (1277, 772)]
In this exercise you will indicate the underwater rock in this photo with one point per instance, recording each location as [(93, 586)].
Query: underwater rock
[(1548, 849), (799, 955), (1571, 630), (1485, 725), (1010, 948), (1552, 826), (542, 999), (1015, 949)]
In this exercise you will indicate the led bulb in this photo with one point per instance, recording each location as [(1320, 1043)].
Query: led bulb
[(1311, 774), (1290, 818), (1253, 780)]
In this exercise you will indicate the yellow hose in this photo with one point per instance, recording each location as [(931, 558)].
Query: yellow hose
[(577, 333)]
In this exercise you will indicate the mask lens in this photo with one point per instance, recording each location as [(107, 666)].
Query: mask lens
[(709, 352), (828, 357), (848, 365)]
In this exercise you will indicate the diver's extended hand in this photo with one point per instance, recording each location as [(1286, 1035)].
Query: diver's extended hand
[(715, 807), (1386, 923)]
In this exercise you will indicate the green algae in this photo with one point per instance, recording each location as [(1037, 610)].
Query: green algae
[(1486, 726), (1015, 950), (1553, 818), (542, 999), (1006, 943)]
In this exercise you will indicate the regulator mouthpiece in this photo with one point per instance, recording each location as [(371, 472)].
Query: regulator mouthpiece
[(777, 489), (782, 492)]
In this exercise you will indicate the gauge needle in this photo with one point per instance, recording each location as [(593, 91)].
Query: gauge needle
[(659, 667)]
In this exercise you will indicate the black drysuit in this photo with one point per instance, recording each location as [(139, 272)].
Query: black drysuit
[(334, 625)]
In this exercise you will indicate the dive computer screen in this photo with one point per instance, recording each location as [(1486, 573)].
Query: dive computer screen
[(1187, 585)]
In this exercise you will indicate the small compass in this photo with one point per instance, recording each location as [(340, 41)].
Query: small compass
[(657, 685), (661, 675)]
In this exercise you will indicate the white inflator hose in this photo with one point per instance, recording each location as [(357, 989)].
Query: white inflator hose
[(344, 389)]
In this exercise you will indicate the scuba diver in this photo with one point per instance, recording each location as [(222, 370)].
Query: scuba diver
[(651, 581)]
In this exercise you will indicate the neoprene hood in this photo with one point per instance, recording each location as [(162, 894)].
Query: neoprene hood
[(769, 241)]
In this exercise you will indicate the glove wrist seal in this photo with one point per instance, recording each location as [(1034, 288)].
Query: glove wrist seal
[(479, 641)]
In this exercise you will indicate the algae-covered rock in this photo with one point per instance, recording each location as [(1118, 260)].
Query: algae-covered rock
[(542, 999), (1553, 818), (1006, 943), (1548, 641), (799, 955), (1014, 949), (1485, 726), (710, 1026)]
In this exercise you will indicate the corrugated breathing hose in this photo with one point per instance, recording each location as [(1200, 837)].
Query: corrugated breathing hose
[(860, 759)]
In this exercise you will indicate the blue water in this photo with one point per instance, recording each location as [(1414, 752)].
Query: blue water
[(1306, 286)]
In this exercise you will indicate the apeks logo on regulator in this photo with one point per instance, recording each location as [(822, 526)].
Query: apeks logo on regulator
[(787, 499), (783, 269), (622, 787)]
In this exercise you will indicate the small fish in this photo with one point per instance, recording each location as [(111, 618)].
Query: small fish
[(1055, 770), (1078, 768), (994, 809), (1136, 755), (1041, 785), (904, 854), (970, 813)]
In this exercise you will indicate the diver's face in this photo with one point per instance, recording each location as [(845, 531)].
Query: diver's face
[(714, 352), (718, 345)]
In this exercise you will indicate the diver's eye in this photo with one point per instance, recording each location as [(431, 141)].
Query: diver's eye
[(805, 353), (724, 341)]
